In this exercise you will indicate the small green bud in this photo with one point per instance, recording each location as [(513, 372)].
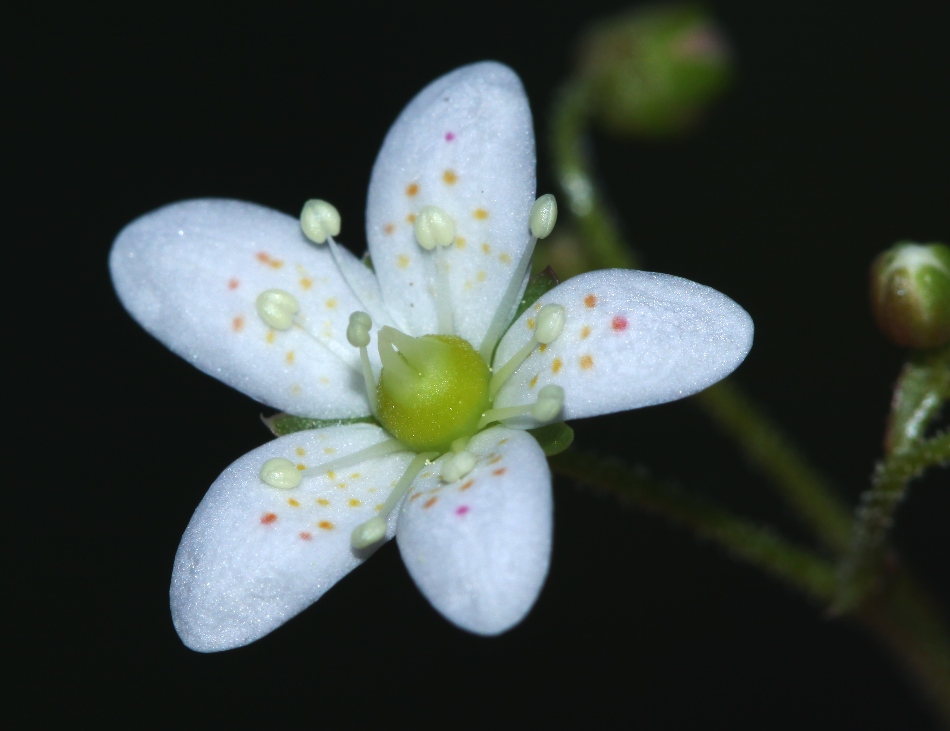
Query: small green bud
[(653, 71), (910, 294)]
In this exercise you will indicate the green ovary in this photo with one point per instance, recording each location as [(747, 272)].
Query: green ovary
[(432, 391)]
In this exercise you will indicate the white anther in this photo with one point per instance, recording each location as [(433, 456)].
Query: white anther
[(319, 219), (357, 332), (280, 472), (550, 323), (277, 308), (456, 466), (543, 216), (433, 228), (549, 403), (368, 533)]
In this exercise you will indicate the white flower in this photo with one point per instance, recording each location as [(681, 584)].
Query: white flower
[(239, 291)]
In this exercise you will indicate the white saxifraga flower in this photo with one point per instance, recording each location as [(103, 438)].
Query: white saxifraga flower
[(273, 306)]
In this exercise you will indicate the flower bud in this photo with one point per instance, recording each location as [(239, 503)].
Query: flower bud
[(654, 70), (910, 294)]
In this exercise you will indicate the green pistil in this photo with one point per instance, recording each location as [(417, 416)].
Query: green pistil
[(432, 389)]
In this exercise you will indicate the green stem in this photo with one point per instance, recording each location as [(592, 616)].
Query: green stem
[(570, 145), (921, 390), (903, 617), (806, 490), (759, 546)]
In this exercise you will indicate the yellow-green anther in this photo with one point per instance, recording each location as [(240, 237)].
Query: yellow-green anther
[(433, 227), (550, 323), (549, 403), (543, 216), (319, 219), (281, 473), (277, 308), (368, 533), (357, 332), (458, 464)]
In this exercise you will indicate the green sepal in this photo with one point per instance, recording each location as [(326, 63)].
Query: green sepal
[(282, 424), (368, 262), (553, 438), (540, 283)]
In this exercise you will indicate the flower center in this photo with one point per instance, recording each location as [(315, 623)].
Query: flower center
[(432, 390)]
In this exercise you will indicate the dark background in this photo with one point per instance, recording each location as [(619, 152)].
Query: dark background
[(832, 144)]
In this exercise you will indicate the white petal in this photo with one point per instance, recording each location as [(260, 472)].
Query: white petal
[(466, 145), (479, 548), (630, 339), (253, 556), (190, 273)]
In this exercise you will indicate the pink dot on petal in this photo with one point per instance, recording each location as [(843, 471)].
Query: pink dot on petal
[(449, 136), (619, 323), (462, 509)]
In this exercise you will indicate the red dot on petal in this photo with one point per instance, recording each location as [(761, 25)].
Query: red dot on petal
[(619, 323), (449, 136), (268, 518), (462, 509)]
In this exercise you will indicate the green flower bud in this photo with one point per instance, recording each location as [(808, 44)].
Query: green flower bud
[(653, 71), (910, 294)]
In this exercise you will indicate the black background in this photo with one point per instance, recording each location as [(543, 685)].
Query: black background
[(832, 144)]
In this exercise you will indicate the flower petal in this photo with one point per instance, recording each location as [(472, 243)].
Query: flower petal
[(630, 339), (253, 556), (466, 145), (190, 273), (479, 548)]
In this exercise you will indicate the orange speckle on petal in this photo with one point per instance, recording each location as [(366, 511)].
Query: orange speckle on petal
[(329, 450), (543, 347), (412, 189), (402, 261), (531, 323), (270, 336), (449, 177), (411, 218), (233, 283), (354, 503), (301, 466), (331, 474), (293, 503), (306, 283), (304, 536), (590, 301), (430, 502), (331, 303), (587, 362), (534, 381), (300, 451), (557, 365), (495, 460), (486, 248), (289, 357), (480, 213), (467, 485), (585, 332), (323, 501), (263, 257), (500, 471), (505, 257), (480, 276), (459, 242), (415, 496), (268, 518), (325, 524), (389, 228), (238, 324), (354, 476)]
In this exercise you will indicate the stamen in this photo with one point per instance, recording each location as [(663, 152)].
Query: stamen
[(458, 464), (277, 308), (550, 323), (434, 229), (542, 219), (390, 446), (357, 333), (280, 473), (543, 216), (545, 409), (319, 220), (368, 533)]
